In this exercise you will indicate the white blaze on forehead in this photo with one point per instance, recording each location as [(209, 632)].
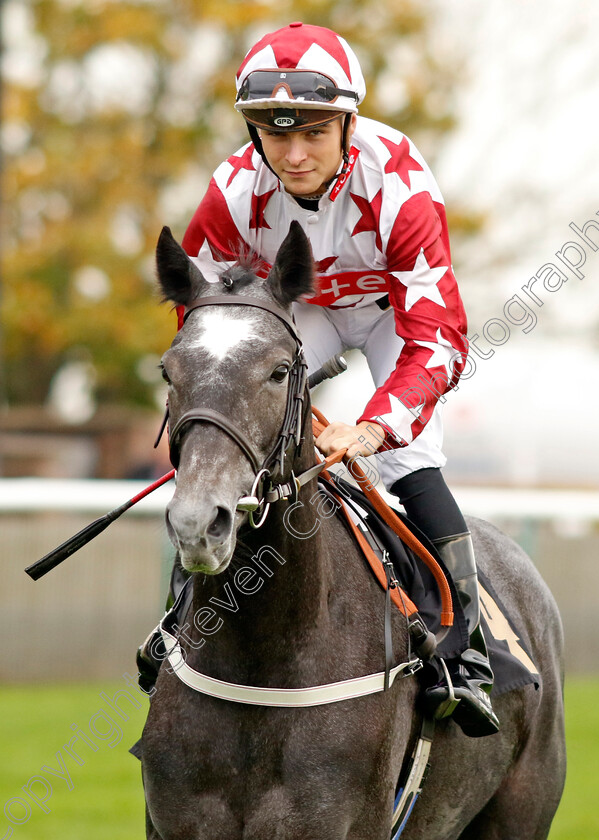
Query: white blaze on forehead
[(222, 332)]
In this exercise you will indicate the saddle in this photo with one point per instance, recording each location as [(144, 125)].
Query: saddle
[(385, 534), (414, 587), (511, 661), (389, 542)]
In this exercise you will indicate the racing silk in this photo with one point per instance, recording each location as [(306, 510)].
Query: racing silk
[(380, 229)]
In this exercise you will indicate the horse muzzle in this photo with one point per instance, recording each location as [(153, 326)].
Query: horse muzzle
[(203, 534)]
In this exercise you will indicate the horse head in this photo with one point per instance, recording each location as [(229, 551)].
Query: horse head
[(230, 371)]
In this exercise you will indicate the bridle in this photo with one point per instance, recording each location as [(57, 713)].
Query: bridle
[(269, 475)]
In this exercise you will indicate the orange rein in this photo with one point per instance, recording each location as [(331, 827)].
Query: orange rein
[(319, 422)]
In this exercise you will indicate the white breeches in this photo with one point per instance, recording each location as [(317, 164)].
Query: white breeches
[(326, 332)]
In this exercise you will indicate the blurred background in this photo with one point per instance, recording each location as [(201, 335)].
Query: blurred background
[(114, 115)]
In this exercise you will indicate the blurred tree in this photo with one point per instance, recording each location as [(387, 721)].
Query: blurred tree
[(115, 114)]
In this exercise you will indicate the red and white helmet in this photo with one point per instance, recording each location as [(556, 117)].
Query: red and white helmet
[(297, 77)]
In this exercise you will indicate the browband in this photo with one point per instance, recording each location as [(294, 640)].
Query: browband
[(241, 300)]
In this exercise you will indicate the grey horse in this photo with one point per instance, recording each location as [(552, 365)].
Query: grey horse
[(292, 604)]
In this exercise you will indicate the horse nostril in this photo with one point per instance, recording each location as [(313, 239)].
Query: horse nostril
[(221, 524)]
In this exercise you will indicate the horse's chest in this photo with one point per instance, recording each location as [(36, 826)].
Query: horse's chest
[(275, 773), (262, 762)]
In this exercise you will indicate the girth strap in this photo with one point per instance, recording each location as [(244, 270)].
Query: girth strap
[(412, 787), (316, 695)]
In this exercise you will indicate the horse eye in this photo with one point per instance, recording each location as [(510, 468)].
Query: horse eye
[(165, 375), (279, 373)]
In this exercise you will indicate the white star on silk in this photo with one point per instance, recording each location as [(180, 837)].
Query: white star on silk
[(444, 353), (400, 418), (417, 410), (421, 282)]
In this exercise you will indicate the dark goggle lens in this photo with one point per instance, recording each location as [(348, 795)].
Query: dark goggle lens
[(312, 87)]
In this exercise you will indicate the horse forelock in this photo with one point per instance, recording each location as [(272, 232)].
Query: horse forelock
[(248, 259), (239, 277), (245, 268)]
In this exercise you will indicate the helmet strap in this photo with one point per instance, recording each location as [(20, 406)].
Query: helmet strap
[(344, 150), (255, 138), (345, 142)]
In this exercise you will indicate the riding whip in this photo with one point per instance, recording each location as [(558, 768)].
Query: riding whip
[(81, 538), (54, 558), (332, 367)]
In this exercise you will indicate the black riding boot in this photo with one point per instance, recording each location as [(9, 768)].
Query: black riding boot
[(466, 693), (151, 654), (430, 504)]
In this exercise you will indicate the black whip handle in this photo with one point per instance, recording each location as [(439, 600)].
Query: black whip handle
[(54, 558), (331, 368)]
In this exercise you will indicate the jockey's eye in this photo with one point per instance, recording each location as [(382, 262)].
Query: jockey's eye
[(165, 375), (280, 373)]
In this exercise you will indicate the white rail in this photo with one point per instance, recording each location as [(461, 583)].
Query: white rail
[(97, 496), (94, 496)]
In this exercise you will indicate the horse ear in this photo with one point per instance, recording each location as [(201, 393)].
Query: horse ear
[(179, 279), (292, 274)]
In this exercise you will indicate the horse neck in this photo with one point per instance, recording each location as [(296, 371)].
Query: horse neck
[(282, 571)]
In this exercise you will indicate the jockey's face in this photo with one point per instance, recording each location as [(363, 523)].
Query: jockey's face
[(305, 161)]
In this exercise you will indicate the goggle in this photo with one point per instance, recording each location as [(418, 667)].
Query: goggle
[(303, 85)]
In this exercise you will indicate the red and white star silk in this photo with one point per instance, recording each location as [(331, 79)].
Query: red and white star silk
[(383, 232)]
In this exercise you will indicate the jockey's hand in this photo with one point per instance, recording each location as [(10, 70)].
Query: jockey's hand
[(339, 435)]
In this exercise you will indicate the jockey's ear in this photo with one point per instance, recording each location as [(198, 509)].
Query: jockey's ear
[(292, 274), (180, 280)]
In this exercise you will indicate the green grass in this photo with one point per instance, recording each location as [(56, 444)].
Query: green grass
[(106, 799), (578, 814)]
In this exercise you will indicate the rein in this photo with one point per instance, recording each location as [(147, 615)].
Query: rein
[(394, 522)]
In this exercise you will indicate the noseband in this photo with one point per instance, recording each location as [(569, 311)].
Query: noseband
[(290, 434)]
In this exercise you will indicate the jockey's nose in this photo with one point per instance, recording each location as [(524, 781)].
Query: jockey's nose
[(296, 149)]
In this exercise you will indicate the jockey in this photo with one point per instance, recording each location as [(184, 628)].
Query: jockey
[(376, 222)]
